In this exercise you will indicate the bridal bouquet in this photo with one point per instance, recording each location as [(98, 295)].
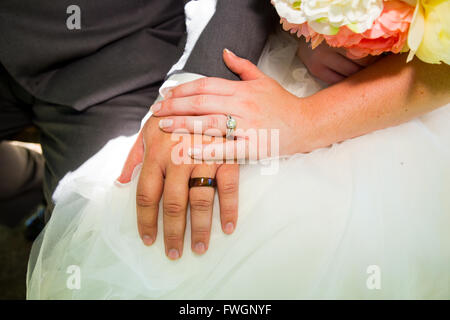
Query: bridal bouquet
[(372, 27)]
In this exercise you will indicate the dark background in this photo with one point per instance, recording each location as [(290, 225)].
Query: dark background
[(14, 252)]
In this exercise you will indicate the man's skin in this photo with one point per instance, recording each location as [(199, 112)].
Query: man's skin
[(162, 177)]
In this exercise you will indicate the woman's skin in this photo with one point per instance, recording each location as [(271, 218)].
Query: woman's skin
[(328, 64), (386, 93)]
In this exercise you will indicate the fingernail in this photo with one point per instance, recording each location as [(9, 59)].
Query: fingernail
[(200, 247), (228, 51), (194, 151), (165, 123), (229, 228), (148, 241), (155, 108), (167, 92), (174, 254)]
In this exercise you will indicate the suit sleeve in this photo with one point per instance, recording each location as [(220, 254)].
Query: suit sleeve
[(241, 26)]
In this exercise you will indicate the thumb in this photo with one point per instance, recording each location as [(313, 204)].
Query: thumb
[(134, 158), (242, 67)]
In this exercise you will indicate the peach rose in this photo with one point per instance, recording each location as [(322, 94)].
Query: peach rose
[(388, 33)]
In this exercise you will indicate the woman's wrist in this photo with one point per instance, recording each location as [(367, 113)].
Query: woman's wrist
[(307, 127)]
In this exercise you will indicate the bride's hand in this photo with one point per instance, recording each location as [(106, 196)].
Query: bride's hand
[(262, 109), (328, 64)]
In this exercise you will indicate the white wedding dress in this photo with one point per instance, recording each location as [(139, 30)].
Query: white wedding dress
[(368, 218)]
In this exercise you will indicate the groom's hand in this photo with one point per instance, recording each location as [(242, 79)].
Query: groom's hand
[(162, 177)]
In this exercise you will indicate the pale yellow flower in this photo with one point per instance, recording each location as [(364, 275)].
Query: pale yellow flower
[(429, 34)]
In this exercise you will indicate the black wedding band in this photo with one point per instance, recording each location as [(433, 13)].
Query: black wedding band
[(202, 182)]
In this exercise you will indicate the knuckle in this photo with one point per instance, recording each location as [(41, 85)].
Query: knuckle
[(201, 205), (145, 201), (147, 225), (172, 237), (212, 123), (228, 212), (173, 209), (199, 101), (177, 91), (202, 85), (181, 122), (202, 233), (229, 188), (167, 105)]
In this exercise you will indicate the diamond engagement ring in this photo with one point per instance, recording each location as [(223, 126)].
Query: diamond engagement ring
[(231, 126)]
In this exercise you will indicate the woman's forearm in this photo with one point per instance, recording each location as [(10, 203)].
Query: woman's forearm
[(385, 94)]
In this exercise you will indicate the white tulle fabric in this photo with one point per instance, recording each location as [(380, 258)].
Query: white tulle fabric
[(310, 231)]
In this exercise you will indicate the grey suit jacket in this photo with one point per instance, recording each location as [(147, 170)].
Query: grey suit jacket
[(122, 45)]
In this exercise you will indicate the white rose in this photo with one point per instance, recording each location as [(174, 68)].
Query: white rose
[(327, 16)]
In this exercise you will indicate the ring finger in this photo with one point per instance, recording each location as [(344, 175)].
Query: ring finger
[(201, 201)]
